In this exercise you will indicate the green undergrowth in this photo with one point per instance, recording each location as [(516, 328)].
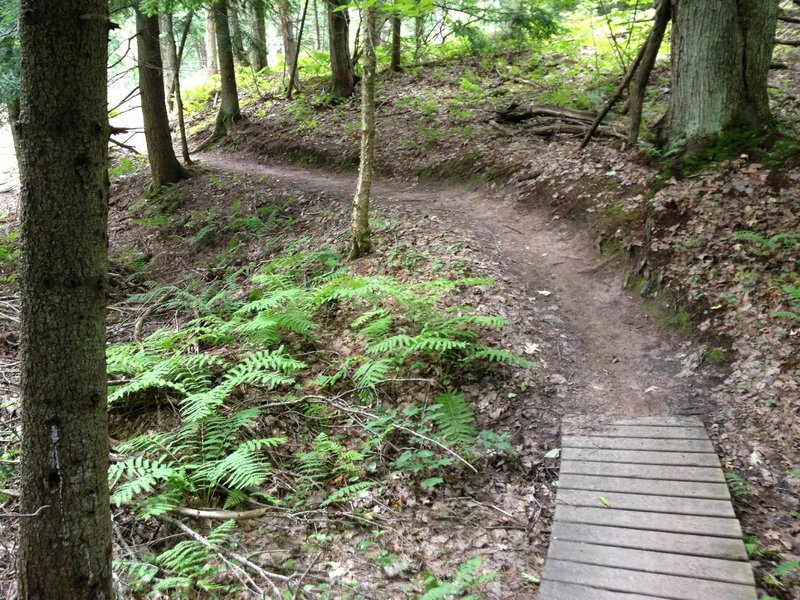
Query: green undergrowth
[(301, 385)]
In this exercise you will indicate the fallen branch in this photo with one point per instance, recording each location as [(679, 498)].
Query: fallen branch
[(265, 575), (576, 129), (516, 114), (793, 43), (221, 515), (615, 96)]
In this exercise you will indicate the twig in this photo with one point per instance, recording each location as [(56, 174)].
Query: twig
[(24, 515), (265, 575), (221, 515)]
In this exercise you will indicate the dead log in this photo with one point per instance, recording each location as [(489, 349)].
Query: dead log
[(788, 18), (546, 130), (517, 114), (793, 43), (652, 45)]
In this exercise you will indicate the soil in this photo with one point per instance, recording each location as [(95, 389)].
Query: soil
[(615, 361)]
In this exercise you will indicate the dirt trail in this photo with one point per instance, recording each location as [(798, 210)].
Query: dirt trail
[(614, 359)]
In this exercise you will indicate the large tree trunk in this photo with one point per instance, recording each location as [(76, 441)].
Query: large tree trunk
[(212, 57), (721, 51), (360, 241), (258, 46), (65, 538), (229, 94), (169, 57), (342, 78), (237, 39), (283, 10), (164, 165)]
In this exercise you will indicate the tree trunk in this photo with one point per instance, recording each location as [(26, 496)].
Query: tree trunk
[(721, 51), (360, 243), (13, 116), (65, 549), (212, 58), (169, 57), (237, 39), (652, 46), (342, 79), (164, 165), (317, 30), (419, 34), (200, 50), (285, 23), (396, 35), (258, 46), (179, 54), (293, 74), (229, 94)]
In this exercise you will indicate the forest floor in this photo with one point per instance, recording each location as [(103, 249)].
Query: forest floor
[(623, 281)]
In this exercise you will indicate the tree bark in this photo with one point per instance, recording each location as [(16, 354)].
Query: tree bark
[(283, 10), (721, 51), (237, 39), (258, 46), (293, 74), (179, 54), (13, 116), (342, 78), (317, 30), (397, 24), (164, 165), (652, 46), (212, 58), (169, 57), (65, 549), (361, 244), (229, 95)]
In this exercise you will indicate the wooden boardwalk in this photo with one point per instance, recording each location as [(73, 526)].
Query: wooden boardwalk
[(643, 512)]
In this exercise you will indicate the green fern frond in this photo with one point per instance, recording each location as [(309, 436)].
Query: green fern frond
[(372, 373), (497, 355), (435, 343), (391, 344), (347, 493), (454, 419)]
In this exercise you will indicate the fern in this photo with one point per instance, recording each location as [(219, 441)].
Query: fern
[(454, 419), (371, 373), (497, 355), (347, 492), (737, 485)]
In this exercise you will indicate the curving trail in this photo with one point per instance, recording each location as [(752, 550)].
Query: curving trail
[(620, 362)]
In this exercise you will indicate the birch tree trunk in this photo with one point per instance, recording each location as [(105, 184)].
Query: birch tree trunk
[(64, 547), (360, 242)]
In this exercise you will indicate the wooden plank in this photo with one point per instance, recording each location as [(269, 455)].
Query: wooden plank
[(662, 504), (660, 541), (641, 457), (648, 431), (698, 567), (652, 521), (612, 443), (666, 472), (652, 487), (638, 582), (670, 421), (556, 590)]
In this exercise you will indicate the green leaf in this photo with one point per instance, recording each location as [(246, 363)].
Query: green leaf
[(554, 453)]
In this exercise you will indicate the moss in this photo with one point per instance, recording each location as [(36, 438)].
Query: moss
[(715, 355)]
